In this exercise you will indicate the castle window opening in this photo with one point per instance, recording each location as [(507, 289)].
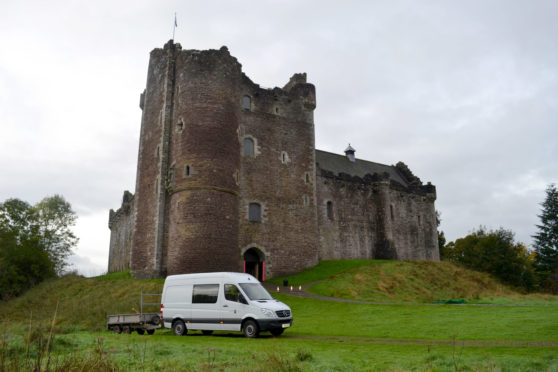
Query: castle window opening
[(254, 212), (180, 126), (329, 207), (248, 147), (284, 157), (307, 178), (391, 212), (276, 110), (247, 103), (419, 222), (187, 171)]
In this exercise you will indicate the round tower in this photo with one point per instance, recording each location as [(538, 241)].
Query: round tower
[(204, 160)]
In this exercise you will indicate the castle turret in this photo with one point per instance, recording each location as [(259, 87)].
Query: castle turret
[(204, 158)]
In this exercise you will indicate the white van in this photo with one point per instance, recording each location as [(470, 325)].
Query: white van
[(221, 302)]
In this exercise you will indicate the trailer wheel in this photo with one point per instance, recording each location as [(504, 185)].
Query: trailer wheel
[(140, 331), (155, 320), (116, 329), (126, 330), (251, 329), (150, 331), (207, 332), (179, 328)]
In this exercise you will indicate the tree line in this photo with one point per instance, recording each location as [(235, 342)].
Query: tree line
[(496, 251), (35, 242)]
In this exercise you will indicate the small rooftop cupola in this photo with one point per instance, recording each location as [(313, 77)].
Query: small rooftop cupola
[(350, 153)]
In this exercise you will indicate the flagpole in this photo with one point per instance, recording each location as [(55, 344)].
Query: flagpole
[(174, 26)]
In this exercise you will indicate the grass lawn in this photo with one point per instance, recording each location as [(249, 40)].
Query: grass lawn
[(326, 335)]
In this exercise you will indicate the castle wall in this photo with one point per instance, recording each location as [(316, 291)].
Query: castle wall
[(350, 230), (280, 176), (373, 220), (121, 225), (414, 225)]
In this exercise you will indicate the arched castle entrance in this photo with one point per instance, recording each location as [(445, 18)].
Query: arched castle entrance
[(254, 263)]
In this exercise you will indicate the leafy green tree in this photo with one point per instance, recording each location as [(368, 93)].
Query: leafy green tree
[(54, 217), (35, 242), (23, 263), (546, 239), (496, 253)]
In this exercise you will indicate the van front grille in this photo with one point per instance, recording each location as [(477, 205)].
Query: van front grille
[(283, 313)]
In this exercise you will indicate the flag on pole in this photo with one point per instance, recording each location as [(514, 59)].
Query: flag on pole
[(175, 26)]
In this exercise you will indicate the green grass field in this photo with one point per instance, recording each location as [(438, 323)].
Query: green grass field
[(412, 335)]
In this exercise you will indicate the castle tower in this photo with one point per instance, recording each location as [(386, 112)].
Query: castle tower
[(186, 193), (204, 158)]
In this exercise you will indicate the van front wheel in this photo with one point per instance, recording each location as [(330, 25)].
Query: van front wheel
[(179, 328), (251, 329)]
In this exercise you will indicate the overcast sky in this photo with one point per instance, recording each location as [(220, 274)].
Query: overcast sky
[(464, 92)]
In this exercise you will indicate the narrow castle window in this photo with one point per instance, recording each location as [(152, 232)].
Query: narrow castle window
[(284, 157), (254, 212), (307, 177), (419, 222), (247, 103), (329, 207), (276, 110), (180, 126), (187, 171), (248, 147), (391, 212), (157, 152)]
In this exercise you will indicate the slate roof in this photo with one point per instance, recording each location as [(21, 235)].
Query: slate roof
[(341, 164)]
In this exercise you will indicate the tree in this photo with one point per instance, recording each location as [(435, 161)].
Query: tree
[(494, 252), (54, 217), (546, 239), (35, 242)]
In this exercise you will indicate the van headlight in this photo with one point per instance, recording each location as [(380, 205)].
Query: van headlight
[(268, 313)]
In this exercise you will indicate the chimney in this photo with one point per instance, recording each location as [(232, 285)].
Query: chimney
[(350, 153)]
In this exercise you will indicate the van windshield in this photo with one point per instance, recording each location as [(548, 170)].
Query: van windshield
[(255, 291)]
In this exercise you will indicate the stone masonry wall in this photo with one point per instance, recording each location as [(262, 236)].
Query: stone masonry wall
[(375, 219), (121, 225), (280, 176)]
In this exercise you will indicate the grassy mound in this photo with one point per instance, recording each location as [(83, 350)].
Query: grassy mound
[(419, 282), (83, 303)]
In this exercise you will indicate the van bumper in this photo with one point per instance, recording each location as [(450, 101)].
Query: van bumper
[(269, 324)]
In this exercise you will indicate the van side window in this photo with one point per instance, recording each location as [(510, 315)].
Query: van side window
[(205, 293), (232, 293)]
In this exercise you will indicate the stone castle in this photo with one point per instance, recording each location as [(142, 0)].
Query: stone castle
[(228, 179)]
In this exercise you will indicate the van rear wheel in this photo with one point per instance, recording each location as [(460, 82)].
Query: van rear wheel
[(179, 328), (251, 329)]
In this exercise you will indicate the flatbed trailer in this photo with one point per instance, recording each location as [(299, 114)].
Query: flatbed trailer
[(128, 323), (140, 322)]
